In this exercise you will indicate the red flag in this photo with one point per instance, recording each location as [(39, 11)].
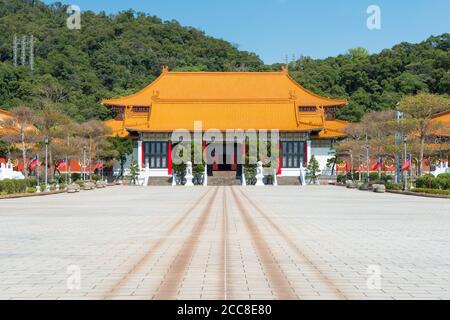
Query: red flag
[(377, 165), (34, 163), (98, 166), (407, 165)]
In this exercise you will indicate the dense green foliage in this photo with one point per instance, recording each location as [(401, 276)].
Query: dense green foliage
[(429, 181), (113, 55), (313, 170), (10, 186), (378, 81)]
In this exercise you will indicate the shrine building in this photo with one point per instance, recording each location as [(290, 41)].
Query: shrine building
[(224, 101)]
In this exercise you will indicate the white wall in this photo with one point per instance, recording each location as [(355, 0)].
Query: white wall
[(322, 155)]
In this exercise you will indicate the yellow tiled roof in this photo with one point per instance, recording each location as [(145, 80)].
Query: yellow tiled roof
[(223, 86), (117, 128), (334, 129), (443, 117), (223, 100)]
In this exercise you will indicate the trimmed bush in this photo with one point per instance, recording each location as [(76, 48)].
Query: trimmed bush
[(31, 190), (393, 186), (9, 186), (428, 181), (341, 178)]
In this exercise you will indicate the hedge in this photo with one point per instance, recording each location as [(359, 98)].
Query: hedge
[(432, 191), (10, 186), (428, 181)]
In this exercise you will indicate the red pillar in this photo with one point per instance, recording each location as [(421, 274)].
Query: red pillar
[(305, 146), (280, 159), (143, 155), (169, 157)]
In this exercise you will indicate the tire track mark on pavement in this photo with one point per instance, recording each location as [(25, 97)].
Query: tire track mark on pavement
[(277, 278), (283, 234), (149, 253), (177, 269), (225, 252)]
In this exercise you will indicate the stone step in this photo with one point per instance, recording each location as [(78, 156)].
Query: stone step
[(223, 181), (159, 181), (288, 181), (224, 174)]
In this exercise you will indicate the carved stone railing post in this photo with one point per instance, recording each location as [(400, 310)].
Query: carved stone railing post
[(259, 174), (189, 175)]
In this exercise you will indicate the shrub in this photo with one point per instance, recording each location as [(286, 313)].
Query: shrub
[(393, 186), (75, 176), (373, 176), (180, 172), (31, 190), (427, 181), (197, 172), (341, 178), (96, 177), (443, 181), (250, 174), (8, 186)]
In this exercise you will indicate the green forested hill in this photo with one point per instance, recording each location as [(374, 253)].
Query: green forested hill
[(118, 54), (110, 55), (378, 81)]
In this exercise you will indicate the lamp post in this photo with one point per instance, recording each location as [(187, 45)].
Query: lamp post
[(405, 188), (398, 136), (84, 163), (46, 164), (367, 158)]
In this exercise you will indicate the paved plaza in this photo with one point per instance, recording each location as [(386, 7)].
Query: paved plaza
[(225, 243)]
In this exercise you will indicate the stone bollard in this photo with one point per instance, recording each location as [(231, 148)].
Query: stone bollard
[(350, 184), (38, 189), (189, 175), (205, 176), (275, 180), (72, 188), (379, 188)]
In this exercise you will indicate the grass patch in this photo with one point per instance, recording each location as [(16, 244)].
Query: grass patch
[(432, 191)]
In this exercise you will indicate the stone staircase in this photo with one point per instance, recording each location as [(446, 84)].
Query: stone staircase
[(288, 181), (159, 181), (224, 178)]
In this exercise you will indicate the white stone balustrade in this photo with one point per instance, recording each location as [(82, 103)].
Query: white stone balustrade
[(7, 172)]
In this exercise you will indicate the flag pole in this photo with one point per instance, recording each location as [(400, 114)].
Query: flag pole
[(410, 173)]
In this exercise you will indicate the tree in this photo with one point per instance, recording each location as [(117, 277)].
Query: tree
[(120, 148), (21, 132), (94, 133), (419, 111), (313, 170), (52, 124), (134, 172)]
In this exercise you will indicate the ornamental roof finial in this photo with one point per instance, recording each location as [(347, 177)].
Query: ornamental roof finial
[(285, 69), (165, 68)]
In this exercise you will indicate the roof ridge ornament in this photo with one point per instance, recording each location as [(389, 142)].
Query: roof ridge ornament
[(292, 95), (165, 69), (155, 95), (285, 69)]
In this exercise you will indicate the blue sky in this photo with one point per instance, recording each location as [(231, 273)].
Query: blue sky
[(276, 28)]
